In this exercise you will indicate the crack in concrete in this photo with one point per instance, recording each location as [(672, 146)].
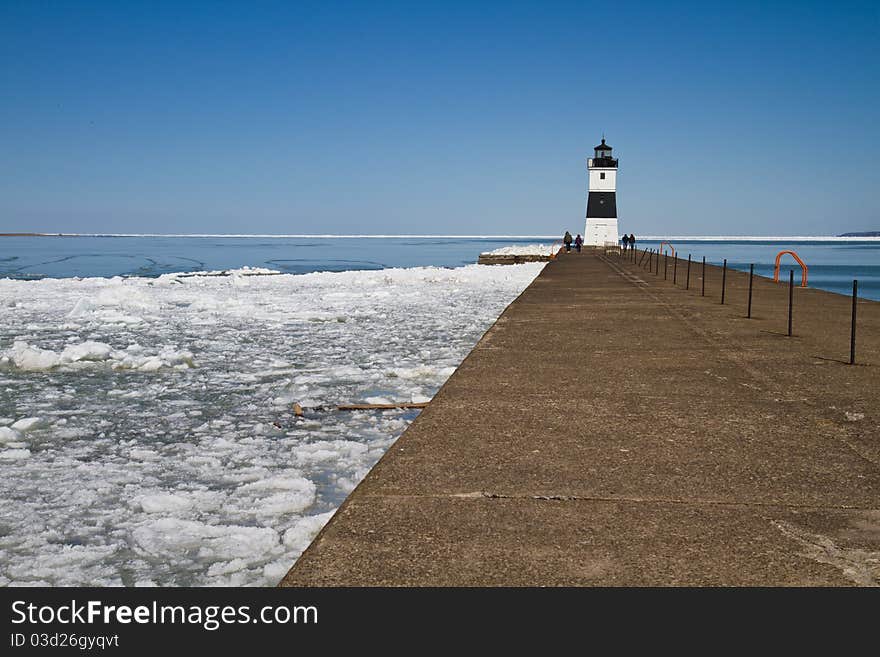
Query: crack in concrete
[(642, 500)]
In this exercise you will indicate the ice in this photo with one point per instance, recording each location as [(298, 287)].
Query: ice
[(166, 452), (15, 454), (29, 358), (29, 423), (525, 249), (164, 503), (169, 537), (301, 534)]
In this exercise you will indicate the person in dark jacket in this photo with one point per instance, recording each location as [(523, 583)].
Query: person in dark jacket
[(567, 241), (632, 241), (578, 242), (624, 241)]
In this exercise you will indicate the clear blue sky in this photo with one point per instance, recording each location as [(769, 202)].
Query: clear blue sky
[(469, 118)]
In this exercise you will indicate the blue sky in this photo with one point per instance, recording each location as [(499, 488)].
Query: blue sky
[(437, 118)]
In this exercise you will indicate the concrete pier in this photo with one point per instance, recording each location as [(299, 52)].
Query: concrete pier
[(612, 428)]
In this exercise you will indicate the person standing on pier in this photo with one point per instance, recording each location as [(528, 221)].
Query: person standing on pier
[(632, 241), (567, 241), (578, 242), (624, 241)]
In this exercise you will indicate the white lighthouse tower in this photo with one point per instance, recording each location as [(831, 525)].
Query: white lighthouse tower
[(601, 197)]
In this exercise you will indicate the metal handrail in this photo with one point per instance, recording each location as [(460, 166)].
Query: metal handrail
[(804, 268), (669, 244)]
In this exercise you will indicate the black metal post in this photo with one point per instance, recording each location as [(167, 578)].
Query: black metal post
[(852, 337), (723, 280), (687, 285), (703, 293), (790, 297), (665, 264), (751, 275), (674, 268)]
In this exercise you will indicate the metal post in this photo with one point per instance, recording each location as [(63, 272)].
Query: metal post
[(790, 297), (703, 293), (751, 275), (665, 264), (674, 269), (687, 285), (852, 337), (723, 280)]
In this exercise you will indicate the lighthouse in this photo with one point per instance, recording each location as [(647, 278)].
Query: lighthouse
[(601, 197)]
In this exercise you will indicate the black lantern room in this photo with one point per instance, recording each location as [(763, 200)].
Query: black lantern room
[(603, 156)]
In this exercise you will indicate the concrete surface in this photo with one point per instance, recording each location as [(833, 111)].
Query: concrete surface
[(612, 428)]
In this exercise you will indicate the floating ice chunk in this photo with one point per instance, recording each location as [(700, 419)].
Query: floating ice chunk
[(9, 435), (420, 399), (298, 537), (30, 359), (275, 571), (170, 537), (227, 567), (29, 423), (377, 400), (274, 496), (86, 351), (33, 359), (15, 454), (164, 503), (81, 307), (167, 357)]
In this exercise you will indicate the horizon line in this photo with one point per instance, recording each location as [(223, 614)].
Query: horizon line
[(425, 236)]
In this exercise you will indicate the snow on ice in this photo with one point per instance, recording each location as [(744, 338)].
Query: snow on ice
[(146, 429), (525, 249)]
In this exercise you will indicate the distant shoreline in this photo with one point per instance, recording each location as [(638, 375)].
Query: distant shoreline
[(848, 237), (30, 235)]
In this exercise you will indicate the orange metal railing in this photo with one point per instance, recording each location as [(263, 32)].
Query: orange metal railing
[(671, 248), (800, 262)]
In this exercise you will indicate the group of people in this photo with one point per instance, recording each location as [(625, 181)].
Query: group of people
[(626, 241), (578, 242)]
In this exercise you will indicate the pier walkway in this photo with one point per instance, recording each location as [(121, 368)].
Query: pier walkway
[(612, 428)]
